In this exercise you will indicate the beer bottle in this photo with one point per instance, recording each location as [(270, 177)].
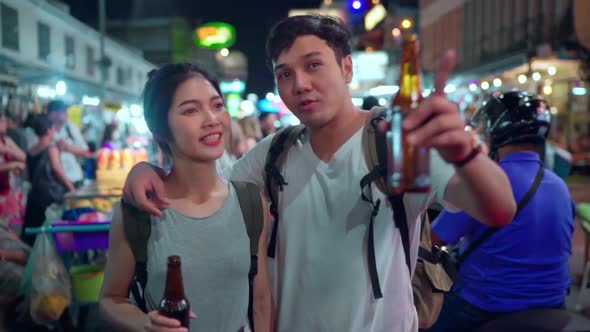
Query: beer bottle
[(408, 165), (174, 304)]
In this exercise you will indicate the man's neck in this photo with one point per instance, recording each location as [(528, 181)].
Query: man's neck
[(327, 140), (510, 149)]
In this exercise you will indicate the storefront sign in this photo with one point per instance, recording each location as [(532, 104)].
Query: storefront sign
[(215, 35), (370, 66), (375, 16), (235, 86)]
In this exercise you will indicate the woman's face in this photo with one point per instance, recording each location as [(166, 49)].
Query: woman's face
[(198, 121)]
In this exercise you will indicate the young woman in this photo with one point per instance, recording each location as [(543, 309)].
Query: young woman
[(252, 131), (186, 114), (49, 182), (12, 162)]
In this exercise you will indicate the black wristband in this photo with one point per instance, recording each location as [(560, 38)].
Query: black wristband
[(476, 151)]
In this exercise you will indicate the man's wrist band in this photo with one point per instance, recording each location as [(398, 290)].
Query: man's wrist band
[(476, 151)]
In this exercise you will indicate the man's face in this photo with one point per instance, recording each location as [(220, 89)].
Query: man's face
[(311, 82), (59, 117)]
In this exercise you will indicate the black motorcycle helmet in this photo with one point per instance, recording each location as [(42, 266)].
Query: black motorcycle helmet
[(514, 117)]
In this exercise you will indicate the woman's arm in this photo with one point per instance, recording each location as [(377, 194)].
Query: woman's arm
[(264, 312), (120, 267), (15, 151), (12, 166), (114, 295), (14, 256), (58, 169)]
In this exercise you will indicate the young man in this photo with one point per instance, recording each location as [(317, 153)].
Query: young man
[(524, 265), (320, 272), (70, 141)]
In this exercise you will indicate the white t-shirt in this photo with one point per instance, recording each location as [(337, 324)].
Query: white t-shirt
[(69, 161), (320, 275)]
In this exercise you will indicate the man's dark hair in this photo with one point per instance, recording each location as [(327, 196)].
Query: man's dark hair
[(28, 123), (328, 28), (40, 124), (158, 93), (369, 102), (56, 106)]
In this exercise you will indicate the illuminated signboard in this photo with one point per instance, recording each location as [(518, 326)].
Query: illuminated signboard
[(235, 86), (215, 35), (374, 16)]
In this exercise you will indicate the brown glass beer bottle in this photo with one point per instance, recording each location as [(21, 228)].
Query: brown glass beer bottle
[(408, 165), (174, 304)]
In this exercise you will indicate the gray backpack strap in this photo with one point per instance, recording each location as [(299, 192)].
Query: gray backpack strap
[(137, 227), (273, 179), (251, 206), (375, 151)]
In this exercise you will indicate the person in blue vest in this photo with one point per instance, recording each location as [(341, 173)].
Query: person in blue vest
[(523, 265)]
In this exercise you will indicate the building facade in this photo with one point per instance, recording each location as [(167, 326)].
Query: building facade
[(41, 45), (505, 44)]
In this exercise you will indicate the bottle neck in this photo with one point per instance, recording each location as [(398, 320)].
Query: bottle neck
[(410, 87), (174, 286)]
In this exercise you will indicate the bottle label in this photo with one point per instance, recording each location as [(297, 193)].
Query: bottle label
[(395, 144)]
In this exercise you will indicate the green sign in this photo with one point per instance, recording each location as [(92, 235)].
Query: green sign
[(233, 101), (215, 35), (235, 86)]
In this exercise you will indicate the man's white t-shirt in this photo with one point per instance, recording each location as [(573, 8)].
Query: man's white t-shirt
[(70, 133), (320, 275)]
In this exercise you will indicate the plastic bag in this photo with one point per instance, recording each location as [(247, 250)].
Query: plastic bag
[(54, 212), (47, 282)]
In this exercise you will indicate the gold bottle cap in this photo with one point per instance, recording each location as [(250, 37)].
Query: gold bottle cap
[(410, 38)]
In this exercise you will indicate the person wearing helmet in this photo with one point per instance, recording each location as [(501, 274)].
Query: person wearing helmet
[(525, 264)]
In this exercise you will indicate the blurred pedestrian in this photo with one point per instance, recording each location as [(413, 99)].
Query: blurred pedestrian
[(12, 166), (49, 181), (268, 123), (525, 264), (69, 140), (369, 102), (251, 130)]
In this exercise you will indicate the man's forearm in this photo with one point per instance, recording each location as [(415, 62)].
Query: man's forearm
[(482, 190), (80, 152)]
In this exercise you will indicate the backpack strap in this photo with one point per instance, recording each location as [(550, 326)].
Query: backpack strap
[(251, 206), (273, 180), (401, 222), (69, 132), (521, 205), (137, 227), (435, 255), (375, 150)]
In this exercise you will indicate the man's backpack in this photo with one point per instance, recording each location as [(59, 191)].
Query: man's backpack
[(137, 226), (433, 276), (375, 150)]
